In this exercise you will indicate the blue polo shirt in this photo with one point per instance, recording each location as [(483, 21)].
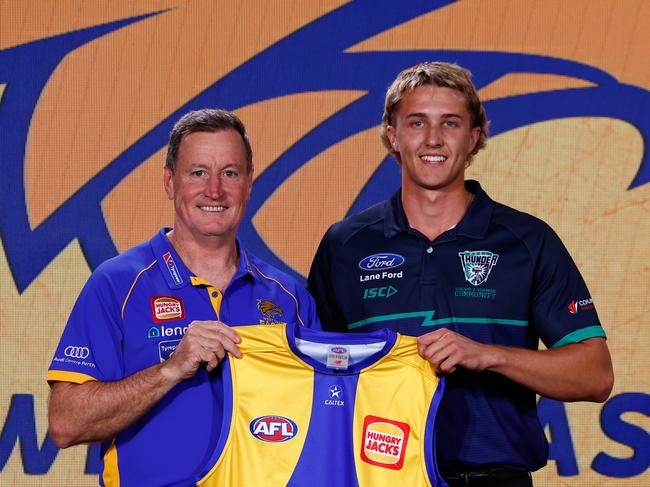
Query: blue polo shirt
[(133, 313), (500, 276)]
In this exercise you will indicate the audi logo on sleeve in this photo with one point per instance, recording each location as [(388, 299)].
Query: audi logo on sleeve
[(76, 352)]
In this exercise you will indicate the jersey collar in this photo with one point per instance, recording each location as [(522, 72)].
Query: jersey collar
[(174, 270), (293, 331), (171, 266), (476, 221), (474, 224)]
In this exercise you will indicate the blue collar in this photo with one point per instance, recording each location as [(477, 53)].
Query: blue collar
[(176, 272)]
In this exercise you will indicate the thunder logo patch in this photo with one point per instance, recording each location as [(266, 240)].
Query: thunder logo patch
[(477, 265)]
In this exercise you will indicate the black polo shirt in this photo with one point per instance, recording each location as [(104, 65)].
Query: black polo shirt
[(500, 276)]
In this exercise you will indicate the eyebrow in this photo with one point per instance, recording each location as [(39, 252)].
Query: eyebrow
[(424, 115), (201, 165)]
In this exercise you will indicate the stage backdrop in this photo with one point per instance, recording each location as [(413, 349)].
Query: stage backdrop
[(90, 90)]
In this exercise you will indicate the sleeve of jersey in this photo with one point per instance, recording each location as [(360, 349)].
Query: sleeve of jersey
[(563, 310), (320, 284), (90, 346)]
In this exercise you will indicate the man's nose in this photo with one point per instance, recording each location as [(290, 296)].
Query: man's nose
[(214, 186), (434, 136)]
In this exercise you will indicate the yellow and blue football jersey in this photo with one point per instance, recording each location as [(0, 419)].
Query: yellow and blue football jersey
[(305, 407)]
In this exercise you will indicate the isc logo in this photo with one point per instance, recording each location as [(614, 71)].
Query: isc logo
[(379, 292), (273, 428)]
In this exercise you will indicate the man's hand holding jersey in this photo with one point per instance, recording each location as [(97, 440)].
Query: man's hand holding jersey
[(447, 350), (205, 342)]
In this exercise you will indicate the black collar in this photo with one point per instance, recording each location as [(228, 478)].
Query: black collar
[(473, 225)]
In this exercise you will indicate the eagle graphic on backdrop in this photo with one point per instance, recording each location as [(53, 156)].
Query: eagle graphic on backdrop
[(299, 63), (320, 56)]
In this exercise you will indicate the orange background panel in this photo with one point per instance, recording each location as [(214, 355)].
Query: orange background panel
[(574, 173)]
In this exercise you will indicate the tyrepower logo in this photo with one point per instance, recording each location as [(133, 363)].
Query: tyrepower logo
[(582, 305), (171, 266), (275, 429), (165, 308), (76, 352), (384, 442)]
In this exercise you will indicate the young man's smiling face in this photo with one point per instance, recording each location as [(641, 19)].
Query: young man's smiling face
[(433, 134)]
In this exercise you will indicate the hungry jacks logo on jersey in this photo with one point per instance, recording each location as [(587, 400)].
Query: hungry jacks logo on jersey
[(165, 308), (384, 442)]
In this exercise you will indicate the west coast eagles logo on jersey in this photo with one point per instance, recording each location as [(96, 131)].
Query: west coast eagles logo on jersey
[(477, 265), (271, 312)]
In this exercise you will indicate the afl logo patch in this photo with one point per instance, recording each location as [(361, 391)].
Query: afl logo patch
[(384, 442), (275, 429), (377, 262), (165, 308)]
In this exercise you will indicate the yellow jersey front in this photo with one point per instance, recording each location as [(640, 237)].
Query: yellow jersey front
[(310, 408)]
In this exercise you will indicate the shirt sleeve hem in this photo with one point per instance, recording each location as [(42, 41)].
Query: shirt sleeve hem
[(581, 335), (65, 376)]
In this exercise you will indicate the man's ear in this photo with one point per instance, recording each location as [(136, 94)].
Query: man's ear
[(390, 133), (250, 184), (168, 182), (474, 136)]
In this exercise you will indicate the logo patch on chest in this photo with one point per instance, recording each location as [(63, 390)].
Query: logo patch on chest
[(477, 265), (274, 429), (377, 262), (271, 312), (384, 442), (165, 308)]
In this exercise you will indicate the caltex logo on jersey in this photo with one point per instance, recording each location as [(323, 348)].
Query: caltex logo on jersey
[(384, 442), (477, 265), (273, 428)]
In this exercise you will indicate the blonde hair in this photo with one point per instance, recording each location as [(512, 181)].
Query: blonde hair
[(444, 75)]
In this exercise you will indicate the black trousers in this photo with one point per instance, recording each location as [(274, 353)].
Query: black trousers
[(488, 477)]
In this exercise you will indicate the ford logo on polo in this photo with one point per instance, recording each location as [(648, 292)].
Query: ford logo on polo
[(76, 352), (377, 262)]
